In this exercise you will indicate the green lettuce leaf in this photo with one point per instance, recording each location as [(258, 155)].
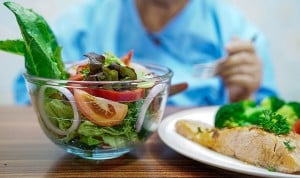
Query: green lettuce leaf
[(116, 136), (42, 53), (115, 141), (59, 113), (90, 141), (13, 46), (92, 134)]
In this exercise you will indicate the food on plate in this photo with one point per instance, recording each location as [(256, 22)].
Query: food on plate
[(102, 102), (250, 144), (273, 114), (264, 134)]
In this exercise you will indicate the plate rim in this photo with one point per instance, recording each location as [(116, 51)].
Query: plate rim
[(169, 123)]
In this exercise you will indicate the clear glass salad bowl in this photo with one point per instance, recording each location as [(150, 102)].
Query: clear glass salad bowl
[(100, 119)]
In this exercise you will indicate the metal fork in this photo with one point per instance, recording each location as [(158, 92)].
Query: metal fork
[(205, 70)]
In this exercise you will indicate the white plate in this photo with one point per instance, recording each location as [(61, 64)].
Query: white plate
[(202, 154)]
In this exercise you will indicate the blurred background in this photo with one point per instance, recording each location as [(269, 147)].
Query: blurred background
[(278, 19)]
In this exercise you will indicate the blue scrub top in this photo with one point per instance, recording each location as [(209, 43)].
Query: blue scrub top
[(198, 33)]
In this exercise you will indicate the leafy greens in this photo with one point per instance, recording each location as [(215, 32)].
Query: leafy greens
[(43, 59), (39, 46)]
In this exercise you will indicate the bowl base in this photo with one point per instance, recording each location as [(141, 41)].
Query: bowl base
[(98, 155)]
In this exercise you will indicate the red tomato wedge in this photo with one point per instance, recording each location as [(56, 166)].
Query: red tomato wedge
[(98, 110), (119, 96), (296, 127)]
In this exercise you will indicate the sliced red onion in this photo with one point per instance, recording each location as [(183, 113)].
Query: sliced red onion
[(153, 92), (44, 116)]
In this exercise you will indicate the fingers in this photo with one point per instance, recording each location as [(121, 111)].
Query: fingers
[(240, 63), (239, 52), (246, 76), (237, 45), (241, 71), (249, 82), (237, 93)]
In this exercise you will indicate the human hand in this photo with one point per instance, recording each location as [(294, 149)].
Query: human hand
[(241, 70)]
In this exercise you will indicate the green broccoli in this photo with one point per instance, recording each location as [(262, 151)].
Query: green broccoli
[(291, 111), (273, 122), (246, 113), (235, 114), (272, 103)]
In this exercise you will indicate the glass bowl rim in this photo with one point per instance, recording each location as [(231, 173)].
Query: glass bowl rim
[(167, 74)]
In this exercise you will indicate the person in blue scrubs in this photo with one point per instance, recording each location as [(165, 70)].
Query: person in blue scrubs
[(177, 34)]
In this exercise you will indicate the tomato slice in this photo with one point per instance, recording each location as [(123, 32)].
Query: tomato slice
[(98, 110), (119, 96), (296, 127)]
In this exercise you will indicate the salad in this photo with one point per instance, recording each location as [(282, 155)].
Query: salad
[(103, 102), (92, 115)]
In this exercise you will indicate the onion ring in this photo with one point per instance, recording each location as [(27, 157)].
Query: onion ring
[(44, 116), (153, 92)]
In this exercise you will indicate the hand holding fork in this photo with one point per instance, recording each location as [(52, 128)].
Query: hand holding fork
[(240, 70)]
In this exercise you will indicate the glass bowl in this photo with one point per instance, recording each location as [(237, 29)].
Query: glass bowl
[(100, 119)]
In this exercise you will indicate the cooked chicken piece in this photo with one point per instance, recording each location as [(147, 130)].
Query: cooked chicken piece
[(250, 144)]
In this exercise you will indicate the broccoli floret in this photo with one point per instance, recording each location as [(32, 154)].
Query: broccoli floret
[(272, 103), (291, 111), (253, 113), (246, 113), (273, 122), (234, 114)]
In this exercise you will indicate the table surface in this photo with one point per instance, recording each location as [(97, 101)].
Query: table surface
[(25, 151)]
